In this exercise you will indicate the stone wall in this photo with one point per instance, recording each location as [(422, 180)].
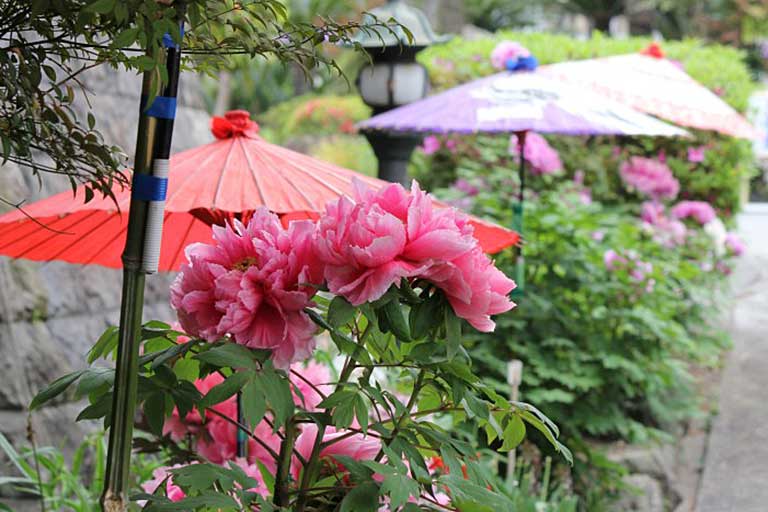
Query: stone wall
[(50, 313)]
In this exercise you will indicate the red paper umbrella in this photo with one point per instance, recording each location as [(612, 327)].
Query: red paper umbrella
[(207, 185)]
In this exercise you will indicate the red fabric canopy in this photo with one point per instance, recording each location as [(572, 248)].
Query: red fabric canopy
[(209, 184)]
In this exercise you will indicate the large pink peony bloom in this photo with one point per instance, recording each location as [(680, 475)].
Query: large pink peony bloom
[(650, 177), (357, 446), (251, 284), (701, 211), (390, 234), (544, 159), (506, 50)]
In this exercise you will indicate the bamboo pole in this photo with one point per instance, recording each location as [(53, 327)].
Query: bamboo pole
[(153, 142)]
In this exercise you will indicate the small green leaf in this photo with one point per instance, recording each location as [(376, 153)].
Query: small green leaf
[(99, 409), (340, 312), (101, 6), (395, 320), (154, 412), (105, 344), (254, 403), (54, 389), (277, 390), (93, 379), (126, 38), (513, 434), (226, 389), (362, 498), (452, 333), (229, 355)]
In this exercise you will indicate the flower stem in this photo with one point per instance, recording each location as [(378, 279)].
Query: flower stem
[(282, 492)]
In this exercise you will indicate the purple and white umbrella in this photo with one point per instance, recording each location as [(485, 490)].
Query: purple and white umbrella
[(519, 102)]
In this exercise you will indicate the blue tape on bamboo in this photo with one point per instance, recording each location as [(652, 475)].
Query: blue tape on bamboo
[(163, 107), (168, 41), (149, 188)]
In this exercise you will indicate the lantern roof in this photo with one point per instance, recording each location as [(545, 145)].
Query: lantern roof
[(422, 33)]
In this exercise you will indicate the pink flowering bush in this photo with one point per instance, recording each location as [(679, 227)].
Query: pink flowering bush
[(250, 415), (542, 157), (649, 177), (699, 211)]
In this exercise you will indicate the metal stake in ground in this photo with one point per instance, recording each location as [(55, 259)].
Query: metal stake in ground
[(142, 246), (517, 221)]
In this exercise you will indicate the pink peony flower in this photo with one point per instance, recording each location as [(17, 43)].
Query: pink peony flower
[(312, 380), (464, 186), (389, 234), (505, 51), (251, 284), (697, 155), (542, 157), (652, 212), (162, 475), (735, 244), (701, 211), (356, 446), (612, 260), (649, 177), (430, 145)]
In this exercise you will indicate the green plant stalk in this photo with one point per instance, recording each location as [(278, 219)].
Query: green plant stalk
[(312, 469), (282, 492), (114, 497)]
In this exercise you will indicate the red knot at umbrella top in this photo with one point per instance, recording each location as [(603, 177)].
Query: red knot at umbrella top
[(655, 85), (210, 184)]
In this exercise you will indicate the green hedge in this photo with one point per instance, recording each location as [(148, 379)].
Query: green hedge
[(721, 68)]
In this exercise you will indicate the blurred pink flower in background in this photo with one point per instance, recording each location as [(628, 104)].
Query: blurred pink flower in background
[(430, 145), (464, 186), (506, 50), (669, 232), (697, 155), (652, 212), (735, 244), (542, 157), (390, 234), (612, 260), (173, 492), (649, 177), (312, 379), (250, 284), (162, 475), (451, 145), (701, 211), (598, 236), (355, 446)]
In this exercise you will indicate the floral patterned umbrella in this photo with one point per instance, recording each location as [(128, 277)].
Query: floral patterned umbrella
[(226, 179), (655, 85)]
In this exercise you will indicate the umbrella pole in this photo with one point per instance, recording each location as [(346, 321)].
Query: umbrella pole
[(153, 142), (517, 210), (242, 435)]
